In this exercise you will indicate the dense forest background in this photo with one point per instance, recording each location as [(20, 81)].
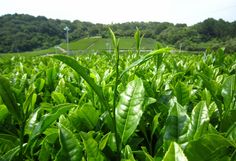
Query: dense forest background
[(21, 32)]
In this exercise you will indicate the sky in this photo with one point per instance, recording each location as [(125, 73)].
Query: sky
[(119, 11)]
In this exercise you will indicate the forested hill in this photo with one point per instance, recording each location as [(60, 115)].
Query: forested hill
[(20, 32)]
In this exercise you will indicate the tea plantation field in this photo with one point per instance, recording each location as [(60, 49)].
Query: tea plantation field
[(161, 105)]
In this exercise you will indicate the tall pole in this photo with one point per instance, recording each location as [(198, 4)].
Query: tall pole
[(67, 38)]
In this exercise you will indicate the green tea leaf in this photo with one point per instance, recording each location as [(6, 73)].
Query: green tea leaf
[(112, 142), (127, 154), (83, 72), (58, 97), (8, 141), (229, 119), (138, 40), (91, 147), (45, 151), (182, 93), (231, 133), (103, 141), (198, 118), (47, 145), (148, 156), (130, 109), (39, 84), (3, 112), (211, 85), (202, 130), (113, 37), (176, 126), (174, 153), (49, 118), (9, 99), (210, 147), (145, 58), (30, 101), (229, 92), (155, 123), (10, 154), (84, 118), (51, 74), (219, 57), (70, 145), (206, 95)]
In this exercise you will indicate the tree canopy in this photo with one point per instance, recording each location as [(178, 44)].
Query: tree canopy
[(21, 32)]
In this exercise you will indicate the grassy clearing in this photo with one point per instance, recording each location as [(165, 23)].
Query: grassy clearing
[(92, 44), (96, 44)]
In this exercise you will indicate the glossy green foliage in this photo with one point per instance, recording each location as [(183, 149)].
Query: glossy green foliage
[(231, 133), (138, 38), (84, 118), (145, 58), (3, 112), (8, 98), (155, 123), (199, 120), (174, 153), (8, 142), (208, 148), (45, 152), (164, 105), (91, 147), (84, 72), (58, 97), (115, 42), (176, 125), (49, 118), (182, 92), (127, 154), (29, 103), (229, 92), (10, 154), (51, 74), (130, 109), (70, 146)]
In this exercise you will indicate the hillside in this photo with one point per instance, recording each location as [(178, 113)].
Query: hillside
[(98, 44), (20, 32)]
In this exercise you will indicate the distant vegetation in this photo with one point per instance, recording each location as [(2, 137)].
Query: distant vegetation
[(99, 44), (21, 32)]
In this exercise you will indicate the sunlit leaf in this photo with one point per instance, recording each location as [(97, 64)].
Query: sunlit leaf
[(182, 93), (231, 133), (9, 99), (229, 92), (208, 148), (3, 112), (84, 72), (127, 154), (10, 154), (84, 118), (198, 118), (103, 141), (47, 120), (176, 126), (145, 58), (174, 153), (70, 145), (130, 109), (91, 147), (155, 122)]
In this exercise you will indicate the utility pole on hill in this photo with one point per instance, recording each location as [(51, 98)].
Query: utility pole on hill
[(67, 38)]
